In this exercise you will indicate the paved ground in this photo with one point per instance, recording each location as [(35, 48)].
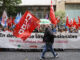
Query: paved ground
[(36, 55)]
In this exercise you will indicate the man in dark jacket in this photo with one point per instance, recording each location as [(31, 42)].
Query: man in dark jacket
[(48, 39)]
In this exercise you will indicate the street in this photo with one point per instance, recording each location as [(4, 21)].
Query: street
[(63, 55)]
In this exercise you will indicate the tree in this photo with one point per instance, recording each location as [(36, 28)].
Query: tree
[(61, 14), (9, 5)]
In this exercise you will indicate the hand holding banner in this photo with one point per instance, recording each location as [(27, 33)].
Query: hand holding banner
[(26, 25)]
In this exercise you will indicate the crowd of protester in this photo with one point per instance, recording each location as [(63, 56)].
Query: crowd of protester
[(56, 29), (59, 29), (7, 28)]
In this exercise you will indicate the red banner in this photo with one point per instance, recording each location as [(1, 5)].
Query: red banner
[(52, 15), (67, 22), (26, 25)]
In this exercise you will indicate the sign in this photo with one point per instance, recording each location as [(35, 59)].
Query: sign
[(63, 41)]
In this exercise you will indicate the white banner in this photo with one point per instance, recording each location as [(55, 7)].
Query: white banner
[(64, 41)]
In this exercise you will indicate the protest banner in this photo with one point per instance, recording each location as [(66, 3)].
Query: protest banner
[(35, 41)]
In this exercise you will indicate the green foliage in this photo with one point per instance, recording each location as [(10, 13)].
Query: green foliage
[(9, 6), (61, 15), (10, 2)]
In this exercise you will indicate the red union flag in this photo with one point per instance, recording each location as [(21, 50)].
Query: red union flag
[(67, 22), (71, 23), (52, 15), (74, 22), (78, 21), (26, 25)]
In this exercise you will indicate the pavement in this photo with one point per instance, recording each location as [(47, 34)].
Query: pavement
[(15, 55)]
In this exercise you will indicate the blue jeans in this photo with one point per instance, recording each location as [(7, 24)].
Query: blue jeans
[(46, 47)]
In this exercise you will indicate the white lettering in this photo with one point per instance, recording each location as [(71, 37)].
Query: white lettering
[(25, 25), (28, 17), (21, 31)]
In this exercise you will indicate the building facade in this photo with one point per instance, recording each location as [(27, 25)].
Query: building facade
[(71, 7), (40, 8)]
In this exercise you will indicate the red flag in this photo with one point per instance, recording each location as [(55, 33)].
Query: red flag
[(74, 22), (71, 22), (52, 15), (26, 25), (57, 19), (76, 26), (13, 23), (78, 21), (10, 22), (67, 22)]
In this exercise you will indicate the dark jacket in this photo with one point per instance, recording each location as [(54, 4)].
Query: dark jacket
[(48, 36)]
